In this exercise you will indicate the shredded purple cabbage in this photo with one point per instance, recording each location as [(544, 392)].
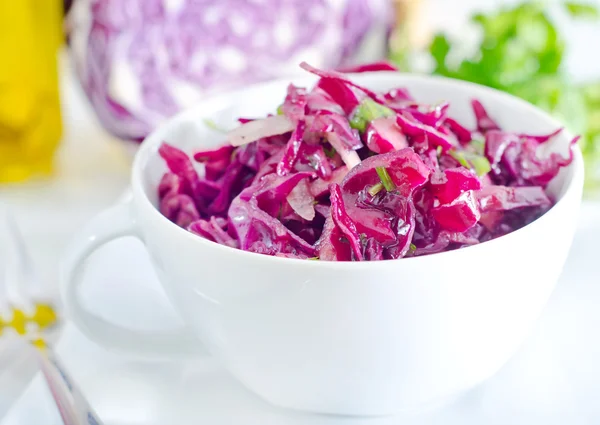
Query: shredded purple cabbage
[(360, 176)]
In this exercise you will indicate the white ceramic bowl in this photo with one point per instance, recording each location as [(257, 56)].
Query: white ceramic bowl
[(368, 338)]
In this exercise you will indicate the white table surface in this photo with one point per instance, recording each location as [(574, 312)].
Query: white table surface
[(93, 170)]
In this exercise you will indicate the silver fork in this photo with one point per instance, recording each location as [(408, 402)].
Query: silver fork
[(72, 405), (27, 313)]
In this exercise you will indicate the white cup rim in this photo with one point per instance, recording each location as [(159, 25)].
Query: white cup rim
[(151, 143)]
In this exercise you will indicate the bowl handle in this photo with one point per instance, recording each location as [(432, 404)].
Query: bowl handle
[(115, 223)]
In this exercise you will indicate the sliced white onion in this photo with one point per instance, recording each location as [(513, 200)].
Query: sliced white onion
[(350, 157), (258, 129), (302, 201)]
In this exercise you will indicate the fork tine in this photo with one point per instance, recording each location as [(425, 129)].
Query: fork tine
[(72, 405)]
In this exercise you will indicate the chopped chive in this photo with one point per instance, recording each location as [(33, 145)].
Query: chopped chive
[(329, 152), (375, 189), (367, 111), (385, 178), (478, 146), (280, 110), (413, 247), (439, 151), (358, 123), (477, 163), (314, 258), (460, 157), (481, 165)]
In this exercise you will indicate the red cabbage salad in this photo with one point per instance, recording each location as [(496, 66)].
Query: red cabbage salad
[(342, 173)]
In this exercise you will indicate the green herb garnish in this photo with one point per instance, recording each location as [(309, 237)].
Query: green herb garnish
[(280, 110), (413, 247), (478, 146), (481, 165), (367, 111), (375, 189), (460, 157), (314, 258), (329, 152), (385, 178), (472, 161)]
